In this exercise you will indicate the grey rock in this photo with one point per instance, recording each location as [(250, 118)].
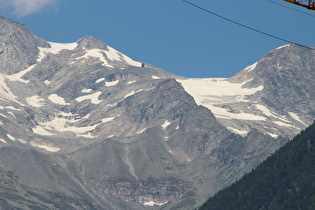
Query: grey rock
[(19, 47), (89, 42), (122, 136)]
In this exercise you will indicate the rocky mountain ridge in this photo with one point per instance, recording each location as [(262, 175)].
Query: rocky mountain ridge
[(283, 181), (87, 121), (274, 95)]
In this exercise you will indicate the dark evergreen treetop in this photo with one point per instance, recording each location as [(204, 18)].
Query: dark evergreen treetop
[(286, 180)]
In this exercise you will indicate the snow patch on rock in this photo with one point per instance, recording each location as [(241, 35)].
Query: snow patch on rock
[(165, 124), (18, 76), (152, 203), (250, 67), (57, 99), (141, 131), (99, 80), (112, 83), (296, 117), (132, 93), (35, 101), (96, 53), (11, 137), (5, 92), (93, 97), (241, 133), (115, 55), (213, 92), (55, 49), (86, 90), (44, 146), (108, 119), (61, 124)]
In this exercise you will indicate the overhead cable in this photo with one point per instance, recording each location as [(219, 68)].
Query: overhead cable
[(243, 25)]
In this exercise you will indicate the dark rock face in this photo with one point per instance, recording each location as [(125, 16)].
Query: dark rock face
[(86, 121), (19, 47)]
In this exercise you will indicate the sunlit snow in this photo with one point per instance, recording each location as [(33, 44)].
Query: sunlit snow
[(108, 119), (55, 49), (110, 136), (212, 92), (88, 135), (272, 135), (234, 130), (165, 124), (93, 97), (57, 99), (11, 137), (251, 67), (112, 83), (265, 110), (141, 131), (61, 124), (152, 203), (86, 90), (47, 82), (22, 141), (115, 55), (12, 108), (111, 54), (132, 93), (111, 105), (5, 92), (11, 114), (287, 45), (270, 113), (99, 80), (285, 124), (45, 147), (296, 117), (18, 76), (42, 131), (35, 101), (96, 53)]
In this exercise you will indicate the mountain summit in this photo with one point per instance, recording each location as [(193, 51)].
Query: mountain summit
[(86, 121), (274, 95)]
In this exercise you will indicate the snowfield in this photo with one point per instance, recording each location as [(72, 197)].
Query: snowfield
[(213, 92), (230, 101)]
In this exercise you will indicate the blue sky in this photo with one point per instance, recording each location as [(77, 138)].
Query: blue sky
[(170, 33)]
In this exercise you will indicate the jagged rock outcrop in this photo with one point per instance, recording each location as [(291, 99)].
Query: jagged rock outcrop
[(18, 48)]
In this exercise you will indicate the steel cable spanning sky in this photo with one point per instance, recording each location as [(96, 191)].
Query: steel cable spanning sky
[(171, 34), (243, 25)]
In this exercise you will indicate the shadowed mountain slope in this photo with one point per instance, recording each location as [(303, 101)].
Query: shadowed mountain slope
[(284, 181)]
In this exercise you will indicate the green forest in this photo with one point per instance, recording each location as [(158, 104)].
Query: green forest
[(286, 180)]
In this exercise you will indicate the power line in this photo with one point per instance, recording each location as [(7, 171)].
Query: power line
[(290, 8), (243, 25)]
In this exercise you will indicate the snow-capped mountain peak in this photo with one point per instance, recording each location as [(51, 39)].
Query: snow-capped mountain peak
[(87, 122)]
